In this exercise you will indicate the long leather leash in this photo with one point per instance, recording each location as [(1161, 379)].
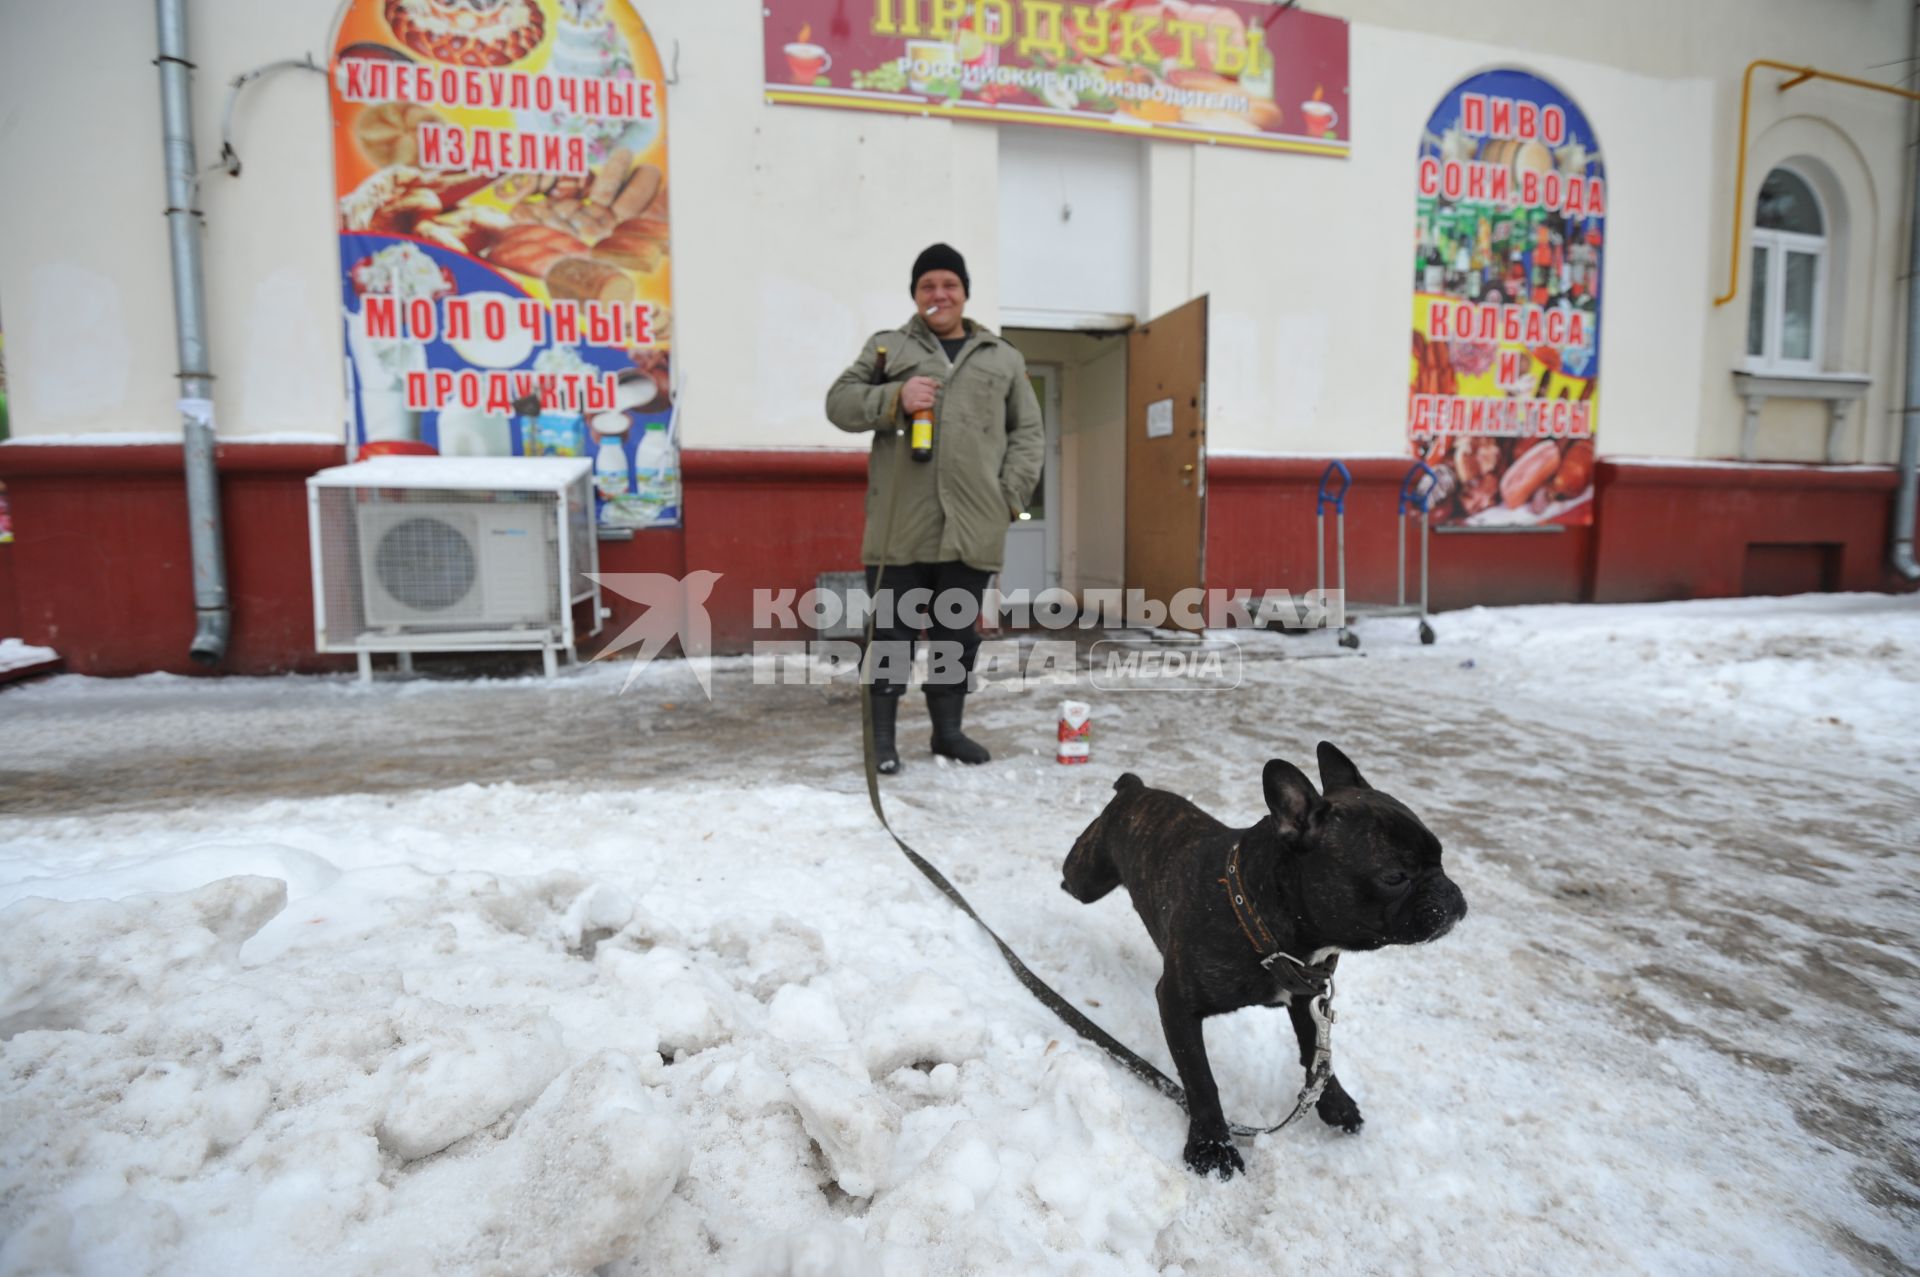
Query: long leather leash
[(1319, 1070)]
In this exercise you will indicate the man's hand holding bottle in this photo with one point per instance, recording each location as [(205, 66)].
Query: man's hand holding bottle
[(918, 393)]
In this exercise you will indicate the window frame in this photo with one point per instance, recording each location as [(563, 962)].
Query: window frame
[(1776, 245)]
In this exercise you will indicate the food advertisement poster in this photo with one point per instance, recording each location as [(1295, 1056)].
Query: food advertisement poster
[(501, 172), (1506, 304), (1226, 72)]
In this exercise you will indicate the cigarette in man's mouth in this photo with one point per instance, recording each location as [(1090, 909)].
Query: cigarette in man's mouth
[(931, 309)]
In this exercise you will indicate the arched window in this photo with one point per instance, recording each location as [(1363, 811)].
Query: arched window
[(1786, 308)]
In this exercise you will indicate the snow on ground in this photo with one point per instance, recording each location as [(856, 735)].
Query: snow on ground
[(16, 655), (514, 977)]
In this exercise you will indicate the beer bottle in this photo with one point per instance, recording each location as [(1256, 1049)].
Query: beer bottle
[(922, 435)]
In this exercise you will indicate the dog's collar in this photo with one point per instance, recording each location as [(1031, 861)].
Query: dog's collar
[(1318, 975)]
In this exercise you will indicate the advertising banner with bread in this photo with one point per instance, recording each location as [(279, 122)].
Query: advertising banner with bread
[(1226, 72), (1506, 304), (501, 171)]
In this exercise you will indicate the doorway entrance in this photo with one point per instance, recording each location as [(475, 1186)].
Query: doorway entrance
[(1123, 501), (1081, 383), (1033, 542)]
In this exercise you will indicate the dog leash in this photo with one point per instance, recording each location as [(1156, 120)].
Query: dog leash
[(1319, 1071)]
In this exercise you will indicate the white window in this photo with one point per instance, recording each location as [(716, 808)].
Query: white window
[(1786, 306)]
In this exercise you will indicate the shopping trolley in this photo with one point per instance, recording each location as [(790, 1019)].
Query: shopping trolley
[(1416, 495)]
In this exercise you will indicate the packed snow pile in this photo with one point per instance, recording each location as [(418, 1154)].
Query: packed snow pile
[(1837, 664), (154, 1079), (708, 1020)]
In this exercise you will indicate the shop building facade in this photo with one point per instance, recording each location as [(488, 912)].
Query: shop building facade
[(1741, 447)]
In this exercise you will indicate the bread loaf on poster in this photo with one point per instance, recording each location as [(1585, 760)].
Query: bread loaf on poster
[(532, 250), (389, 132), (1264, 115), (611, 177), (1529, 470), (587, 280), (638, 193), (470, 229), (631, 252), (644, 228), (592, 223), (406, 208), (515, 187), (1261, 113)]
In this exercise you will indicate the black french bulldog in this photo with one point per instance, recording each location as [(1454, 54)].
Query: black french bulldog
[(1354, 870)]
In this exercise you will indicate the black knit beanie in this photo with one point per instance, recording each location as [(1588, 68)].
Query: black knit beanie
[(940, 257)]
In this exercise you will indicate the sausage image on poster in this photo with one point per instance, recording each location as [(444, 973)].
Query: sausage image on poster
[(501, 172), (1506, 310)]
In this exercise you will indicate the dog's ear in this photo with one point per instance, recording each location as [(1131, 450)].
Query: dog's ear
[(1337, 770), (1291, 797)]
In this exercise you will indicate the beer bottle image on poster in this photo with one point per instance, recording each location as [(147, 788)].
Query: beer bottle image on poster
[(1508, 244), (501, 175)]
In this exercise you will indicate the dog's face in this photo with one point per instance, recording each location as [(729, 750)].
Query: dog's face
[(1368, 870)]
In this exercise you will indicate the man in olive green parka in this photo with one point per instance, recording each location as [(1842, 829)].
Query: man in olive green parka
[(950, 515)]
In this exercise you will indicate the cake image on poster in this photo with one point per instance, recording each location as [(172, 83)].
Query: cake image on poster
[(587, 44), (470, 33)]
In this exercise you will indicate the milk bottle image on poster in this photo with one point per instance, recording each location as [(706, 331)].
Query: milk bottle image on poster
[(656, 469), (612, 476)]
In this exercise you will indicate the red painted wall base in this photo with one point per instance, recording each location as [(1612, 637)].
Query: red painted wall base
[(100, 568), (1706, 531), (9, 596), (103, 573), (1260, 536)]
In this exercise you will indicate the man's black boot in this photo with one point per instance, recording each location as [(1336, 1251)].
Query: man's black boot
[(886, 755), (946, 710)]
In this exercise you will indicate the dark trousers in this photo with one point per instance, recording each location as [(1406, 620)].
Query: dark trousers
[(950, 660)]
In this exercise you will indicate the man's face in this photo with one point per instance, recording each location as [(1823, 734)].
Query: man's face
[(941, 297)]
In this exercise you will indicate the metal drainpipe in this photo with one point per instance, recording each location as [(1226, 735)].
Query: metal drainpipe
[(1901, 550), (189, 312)]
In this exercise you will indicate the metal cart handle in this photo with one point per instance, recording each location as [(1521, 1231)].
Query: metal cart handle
[(1329, 495), (1418, 496)]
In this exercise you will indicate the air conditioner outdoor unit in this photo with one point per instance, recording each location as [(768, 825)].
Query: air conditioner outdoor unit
[(434, 554)]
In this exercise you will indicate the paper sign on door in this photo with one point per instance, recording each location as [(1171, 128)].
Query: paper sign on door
[(1160, 419)]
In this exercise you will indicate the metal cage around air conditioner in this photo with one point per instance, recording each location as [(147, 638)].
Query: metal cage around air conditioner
[(418, 554)]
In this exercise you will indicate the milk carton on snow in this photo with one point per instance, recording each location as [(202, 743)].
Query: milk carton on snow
[(1076, 730)]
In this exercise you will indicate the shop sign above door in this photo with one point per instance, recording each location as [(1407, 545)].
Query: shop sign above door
[(1230, 72)]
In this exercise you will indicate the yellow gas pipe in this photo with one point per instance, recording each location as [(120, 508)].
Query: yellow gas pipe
[(1800, 76)]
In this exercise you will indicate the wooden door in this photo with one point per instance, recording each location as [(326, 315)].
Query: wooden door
[(1167, 453)]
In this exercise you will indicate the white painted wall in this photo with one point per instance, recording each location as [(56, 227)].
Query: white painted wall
[(85, 281), (795, 228), (1071, 235)]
